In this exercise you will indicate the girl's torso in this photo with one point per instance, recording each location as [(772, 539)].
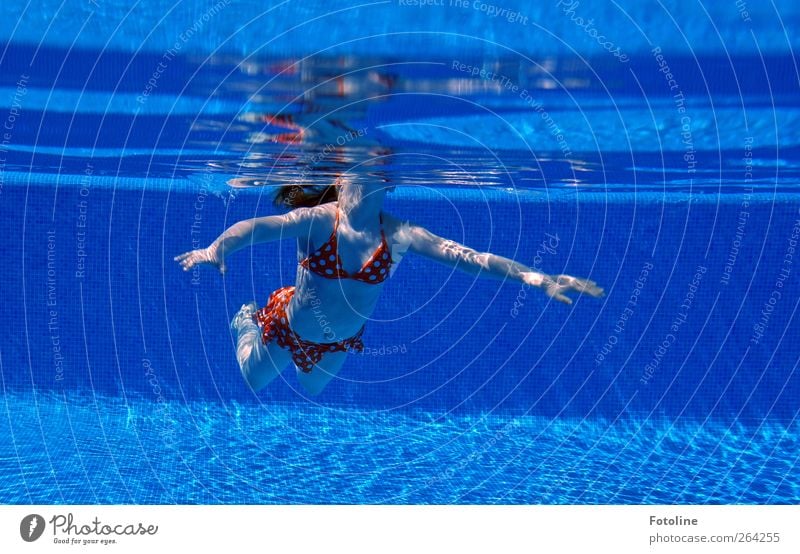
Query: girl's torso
[(334, 297)]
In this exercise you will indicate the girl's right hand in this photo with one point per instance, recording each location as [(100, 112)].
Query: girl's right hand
[(208, 255)]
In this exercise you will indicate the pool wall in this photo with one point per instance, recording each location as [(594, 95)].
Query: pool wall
[(409, 27), (95, 302)]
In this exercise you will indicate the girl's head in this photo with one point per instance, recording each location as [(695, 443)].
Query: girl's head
[(305, 196), (308, 196)]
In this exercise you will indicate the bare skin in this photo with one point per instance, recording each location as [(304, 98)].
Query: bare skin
[(346, 304)]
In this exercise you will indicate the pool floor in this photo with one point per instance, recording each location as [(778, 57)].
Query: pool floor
[(83, 448)]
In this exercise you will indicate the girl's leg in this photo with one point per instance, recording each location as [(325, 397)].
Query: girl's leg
[(259, 363), (322, 374)]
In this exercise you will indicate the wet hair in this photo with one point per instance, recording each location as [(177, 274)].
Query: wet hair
[(305, 196)]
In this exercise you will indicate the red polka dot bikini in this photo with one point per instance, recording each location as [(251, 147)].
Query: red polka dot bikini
[(324, 262)]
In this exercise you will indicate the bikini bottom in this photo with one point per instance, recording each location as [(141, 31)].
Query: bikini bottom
[(305, 354)]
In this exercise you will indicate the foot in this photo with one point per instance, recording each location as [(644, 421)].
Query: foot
[(244, 315)]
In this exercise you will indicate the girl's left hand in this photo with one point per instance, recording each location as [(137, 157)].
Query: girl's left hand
[(556, 285)]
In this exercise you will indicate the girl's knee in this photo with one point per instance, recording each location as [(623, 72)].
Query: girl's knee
[(312, 385), (313, 390), (258, 377), (258, 367), (248, 374), (243, 355)]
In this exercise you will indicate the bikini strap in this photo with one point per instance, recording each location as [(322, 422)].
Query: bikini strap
[(336, 225), (383, 235)]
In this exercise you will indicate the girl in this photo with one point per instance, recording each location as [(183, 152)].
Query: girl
[(358, 246)]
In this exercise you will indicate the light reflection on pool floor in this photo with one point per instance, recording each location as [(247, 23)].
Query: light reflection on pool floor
[(85, 449)]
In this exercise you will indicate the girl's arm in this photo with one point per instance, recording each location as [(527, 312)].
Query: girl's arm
[(247, 233), (486, 264)]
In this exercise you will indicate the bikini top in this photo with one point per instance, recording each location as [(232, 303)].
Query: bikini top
[(325, 261)]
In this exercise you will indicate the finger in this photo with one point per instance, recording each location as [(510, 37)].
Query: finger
[(565, 299), (583, 284), (181, 257), (557, 294), (598, 292), (592, 289)]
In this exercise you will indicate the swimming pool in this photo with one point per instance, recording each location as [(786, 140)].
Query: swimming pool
[(669, 177)]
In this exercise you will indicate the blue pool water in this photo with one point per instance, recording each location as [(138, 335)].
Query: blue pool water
[(670, 178)]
